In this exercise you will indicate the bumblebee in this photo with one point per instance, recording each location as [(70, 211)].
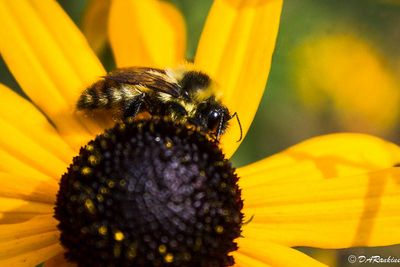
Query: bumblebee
[(183, 95)]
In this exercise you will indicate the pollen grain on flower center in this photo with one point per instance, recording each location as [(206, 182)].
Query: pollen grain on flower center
[(150, 193)]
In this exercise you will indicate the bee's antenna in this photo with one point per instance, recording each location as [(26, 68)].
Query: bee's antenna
[(240, 125)]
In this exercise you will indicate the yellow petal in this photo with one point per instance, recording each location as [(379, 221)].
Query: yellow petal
[(57, 261), (30, 242), (22, 115), (322, 157), (10, 218), (146, 33), (32, 258), (15, 205), (29, 188), (51, 61), (11, 164), (94, 23), (349, 211), (242, 260), (35, 226), (19, 145), (273, 254), (236, 49)]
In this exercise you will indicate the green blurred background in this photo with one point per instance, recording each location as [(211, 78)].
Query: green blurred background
[(336, 68)]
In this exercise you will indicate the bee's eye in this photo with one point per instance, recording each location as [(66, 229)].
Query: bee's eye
[(213, 120)]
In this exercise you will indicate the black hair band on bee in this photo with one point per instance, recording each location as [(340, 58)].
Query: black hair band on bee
[(240, 125)]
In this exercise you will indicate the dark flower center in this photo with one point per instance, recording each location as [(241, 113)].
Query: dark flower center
[(150, 193)]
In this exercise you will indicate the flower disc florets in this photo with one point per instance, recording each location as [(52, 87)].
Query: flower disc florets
[(150, 193)]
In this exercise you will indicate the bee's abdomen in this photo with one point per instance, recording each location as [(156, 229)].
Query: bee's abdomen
[(99, 95)]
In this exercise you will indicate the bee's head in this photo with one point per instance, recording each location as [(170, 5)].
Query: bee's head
[(212, 117)]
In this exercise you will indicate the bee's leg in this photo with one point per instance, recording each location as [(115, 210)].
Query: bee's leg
[(133, 106), (219, 129)]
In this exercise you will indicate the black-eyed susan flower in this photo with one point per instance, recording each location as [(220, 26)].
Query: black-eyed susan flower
[(332, 191)]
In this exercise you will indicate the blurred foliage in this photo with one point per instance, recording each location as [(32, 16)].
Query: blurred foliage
[(350, 79), (335, 68), (195, 13), (283, 118)]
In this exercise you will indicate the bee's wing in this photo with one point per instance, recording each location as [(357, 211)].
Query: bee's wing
[(154, 79)]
